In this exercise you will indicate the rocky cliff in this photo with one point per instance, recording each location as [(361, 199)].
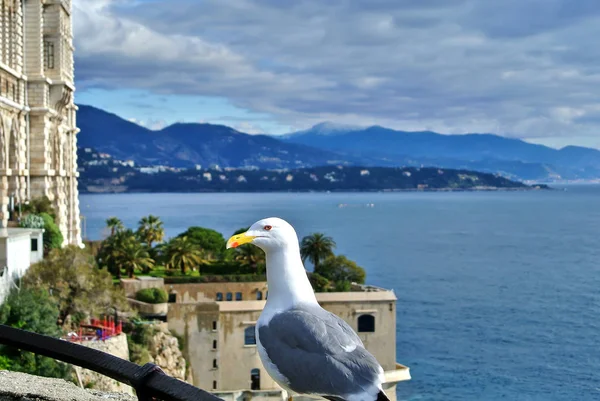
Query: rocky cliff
[(164, 351)]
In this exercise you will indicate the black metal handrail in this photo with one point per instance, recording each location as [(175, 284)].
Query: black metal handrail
[(149, 380)]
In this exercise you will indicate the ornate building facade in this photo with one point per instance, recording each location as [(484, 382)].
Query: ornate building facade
[(38, 145)]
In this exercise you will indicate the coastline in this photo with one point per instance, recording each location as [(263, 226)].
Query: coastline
[(391, 190)]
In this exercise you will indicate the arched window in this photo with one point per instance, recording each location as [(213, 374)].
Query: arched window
[(214, 325), (214, 363), (238, 296), (219, 296), (366, 324), (229, 296), (250, 335), (255, 379), (214, 384), (214, 344), (259, 295)]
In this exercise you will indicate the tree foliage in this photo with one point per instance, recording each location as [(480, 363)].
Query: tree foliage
[(316, 247), (250, 255), (123, 251), (77, 287), (318, 282), (53, 238), (211, 242), (182, 253), (341, 269), (115, 225), (31, 309), (38, 206), (150, 230)]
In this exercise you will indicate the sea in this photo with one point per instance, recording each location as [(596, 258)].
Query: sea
[(498, 292)]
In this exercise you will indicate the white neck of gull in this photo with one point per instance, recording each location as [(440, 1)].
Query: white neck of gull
[(287, 279)]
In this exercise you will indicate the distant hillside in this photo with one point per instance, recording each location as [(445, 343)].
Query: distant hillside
[(482, 152), (101, 173), (187, 145)]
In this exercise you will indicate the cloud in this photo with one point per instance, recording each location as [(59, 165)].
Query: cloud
[(248, 128), (523, 68)]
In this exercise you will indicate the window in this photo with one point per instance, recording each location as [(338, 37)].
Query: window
[(48, 55), (250, 335), (214, 325), (214, 384), (219, 296), (255, 379), (259, 295), (229, 296), (34, 245), (366, 324), (173, 297), (215, 364), (214, 344), (238, 296)]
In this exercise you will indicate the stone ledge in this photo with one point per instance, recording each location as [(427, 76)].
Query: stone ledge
[(24, 387)]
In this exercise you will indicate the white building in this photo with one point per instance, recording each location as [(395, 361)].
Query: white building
[(19, 248)]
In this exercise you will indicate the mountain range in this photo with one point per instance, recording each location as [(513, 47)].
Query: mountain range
[(191, 144)]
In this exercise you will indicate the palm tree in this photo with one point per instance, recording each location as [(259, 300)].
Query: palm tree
[(115, 225), (124, 251), (151, 230), (135, 257), (316, 247), (250, 255), (182, 253)]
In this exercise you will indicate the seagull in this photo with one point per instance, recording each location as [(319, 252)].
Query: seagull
[(304, 348)]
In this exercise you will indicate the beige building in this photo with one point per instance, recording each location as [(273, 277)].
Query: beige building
[(217, 321), (38, 147)]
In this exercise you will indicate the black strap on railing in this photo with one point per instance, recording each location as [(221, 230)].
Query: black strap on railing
[(149, 381)]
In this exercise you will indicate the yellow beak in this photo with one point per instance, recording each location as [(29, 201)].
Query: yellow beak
[(239, 239)]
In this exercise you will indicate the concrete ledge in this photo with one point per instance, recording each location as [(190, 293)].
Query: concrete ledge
[(23, 387), (401, 373), (149, 309)]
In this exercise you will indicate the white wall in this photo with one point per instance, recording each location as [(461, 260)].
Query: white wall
[(17, 256), (38, 255)]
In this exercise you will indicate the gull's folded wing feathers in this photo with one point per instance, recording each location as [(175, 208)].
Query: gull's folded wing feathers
[(318, 353)]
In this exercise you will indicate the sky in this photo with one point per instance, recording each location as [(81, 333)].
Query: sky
[(526, 69)]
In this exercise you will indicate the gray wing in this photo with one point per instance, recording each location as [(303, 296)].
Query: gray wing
[(318, 353)]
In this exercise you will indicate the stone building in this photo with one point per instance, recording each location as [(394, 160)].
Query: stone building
[(38, 130), (217, 321)]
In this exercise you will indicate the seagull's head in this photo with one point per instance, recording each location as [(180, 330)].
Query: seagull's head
[(268, 234)]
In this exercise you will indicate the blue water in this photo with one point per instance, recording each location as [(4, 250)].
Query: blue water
[(498, 293)]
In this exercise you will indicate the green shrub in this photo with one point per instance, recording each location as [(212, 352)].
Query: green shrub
[(152, 295), (53, 238), (31, 310), (138, 353), (32, 221)]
